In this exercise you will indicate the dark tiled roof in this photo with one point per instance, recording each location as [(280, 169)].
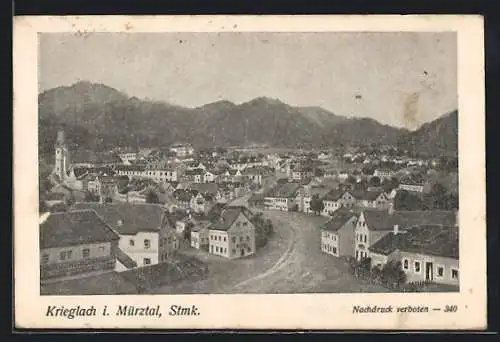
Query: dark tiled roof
[(183, 195), (80, 171), (383, 220), (127, 261), (111, 283), (286, 190), (367, 195), (333, 195), (338, 220), (436, 240), (94, 157), (74, 228), (257, 170), (194, 172), (127, 218), (228, 216), (204, 188), (130, 168)]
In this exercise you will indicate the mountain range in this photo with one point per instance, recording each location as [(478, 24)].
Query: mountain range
[(99, 117)]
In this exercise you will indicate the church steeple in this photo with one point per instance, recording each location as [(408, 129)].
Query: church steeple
[(62, 157)]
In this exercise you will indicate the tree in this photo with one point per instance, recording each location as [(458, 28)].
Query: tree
[(437, 197), (405, 200), (374, 181), (318, 172), (152, 197), (316, 204), (393, 275), (90, 197)]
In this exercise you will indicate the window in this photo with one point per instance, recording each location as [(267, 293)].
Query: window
[(45, 258), (220, 238), (365, 237), (417, 266), (405, 264), (334, 250), (211, 237), (86, 252), (101, 249), (248, 249), (248, 238), (147, 243), (225, 250), (147, 261), (131, 242), (217, 249), (454, 273), (224, 239), (440, 271), (245, 223), (65, 255), (233, 239)]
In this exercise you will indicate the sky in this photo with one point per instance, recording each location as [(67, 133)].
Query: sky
[(400, 79)]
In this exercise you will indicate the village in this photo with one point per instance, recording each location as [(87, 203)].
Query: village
[(247, 220)]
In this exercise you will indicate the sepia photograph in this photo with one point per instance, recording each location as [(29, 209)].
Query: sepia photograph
[(248, 162)]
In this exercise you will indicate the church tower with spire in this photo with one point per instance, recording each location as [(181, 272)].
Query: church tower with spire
[(62, 157)]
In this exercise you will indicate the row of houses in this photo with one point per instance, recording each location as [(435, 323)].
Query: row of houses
[(425, 242), (95, 238), (296, 196)]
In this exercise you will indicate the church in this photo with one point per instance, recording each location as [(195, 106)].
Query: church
[(85, 170)]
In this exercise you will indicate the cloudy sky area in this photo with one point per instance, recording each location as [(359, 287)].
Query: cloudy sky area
[(377, 75)]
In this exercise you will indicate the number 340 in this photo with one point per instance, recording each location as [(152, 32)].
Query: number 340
[(450, 308)]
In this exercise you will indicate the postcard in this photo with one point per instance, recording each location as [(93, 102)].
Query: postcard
[(249, 172)]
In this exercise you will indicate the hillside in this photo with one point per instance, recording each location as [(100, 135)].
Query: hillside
[(438, 137), (100, 117)]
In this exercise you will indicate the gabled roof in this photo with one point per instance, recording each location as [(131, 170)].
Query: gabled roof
[(383, 220), (194, 172), (91, 157), (436, 240), (127, 218), (126, 261), (183, 195), (205, 188), (367, 195), (74, 228), (334, 195), (228, 216), (339, 219), (285, 190)]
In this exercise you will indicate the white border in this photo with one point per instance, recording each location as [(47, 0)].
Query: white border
[(299, 311)]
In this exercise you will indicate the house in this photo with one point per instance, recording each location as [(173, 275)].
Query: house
[(282, 197), (140, 227), (128, 157), (200, 235), (415, 183), (372, 199), (337, 235), (384, 173), (77, 244), (103, 186), (195, 175), (306, 193), (372, 225), (182, 150), (256, 201), (426, 252), (259, 175), (209, 176), (183, 198), (233, 234), (201, 202), (336, 199), (300, 173)]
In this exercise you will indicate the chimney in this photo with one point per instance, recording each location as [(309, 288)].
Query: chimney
[(396, 229)]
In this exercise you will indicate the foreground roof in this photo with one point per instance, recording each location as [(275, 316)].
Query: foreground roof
[(127, 218), (339, 219), (74, 228), (436, 240)]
